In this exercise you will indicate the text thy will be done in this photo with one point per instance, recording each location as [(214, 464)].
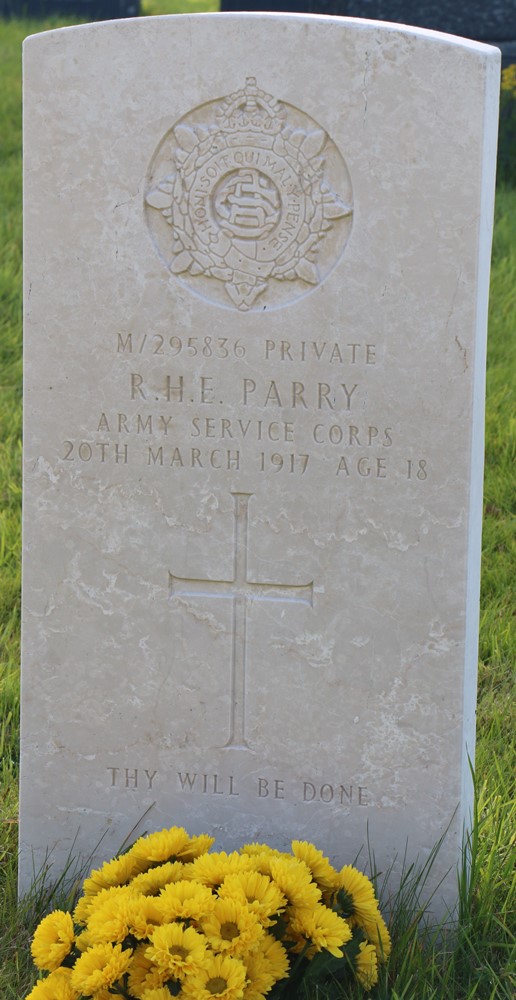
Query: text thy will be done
[(257, 786)]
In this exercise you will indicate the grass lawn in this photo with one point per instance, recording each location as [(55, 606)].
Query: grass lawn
[(479, 962)]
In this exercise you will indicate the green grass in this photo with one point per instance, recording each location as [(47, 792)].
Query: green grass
[(178, 7), (476, 963)]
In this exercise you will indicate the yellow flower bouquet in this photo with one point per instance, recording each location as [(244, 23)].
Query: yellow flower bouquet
[(169, 919)]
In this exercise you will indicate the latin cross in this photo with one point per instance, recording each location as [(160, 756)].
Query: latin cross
[(241, 592)]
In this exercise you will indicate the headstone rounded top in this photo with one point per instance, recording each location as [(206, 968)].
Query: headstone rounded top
[(252, 513)]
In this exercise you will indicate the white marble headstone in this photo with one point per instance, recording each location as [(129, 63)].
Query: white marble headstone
[(257, 257)]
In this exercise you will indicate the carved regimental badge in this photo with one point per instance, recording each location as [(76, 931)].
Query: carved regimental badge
[(249, 201)]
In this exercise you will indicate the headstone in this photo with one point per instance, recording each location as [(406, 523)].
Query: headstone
[(256, 294)]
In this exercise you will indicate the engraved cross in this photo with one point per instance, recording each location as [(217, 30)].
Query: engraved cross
[(241, 592)]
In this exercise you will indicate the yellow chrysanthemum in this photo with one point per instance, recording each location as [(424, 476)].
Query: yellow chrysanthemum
[(212, 869), (509, 79), (261, 860), (276, 955), (109, 922), (185, 901), (152, 882), (161, 993), (265, 966), (176, 949), (220, 976), (366, 965), (294, 880), (232, 928), (99, 968), (156, 848), (57, 986), (251, 993), (359, 890), (259, 979), (120, 871), (143, 916), (88, 905), (364, 909), (83, 941), (322, 872), (52, 941), (83, 909), (195, 847), (376, 932), (143, 974), (255, 850), (322, 927), (256, 891)]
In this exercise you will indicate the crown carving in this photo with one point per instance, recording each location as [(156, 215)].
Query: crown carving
[(251, 110)]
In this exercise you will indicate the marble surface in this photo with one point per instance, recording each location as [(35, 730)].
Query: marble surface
[(257, 261)]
